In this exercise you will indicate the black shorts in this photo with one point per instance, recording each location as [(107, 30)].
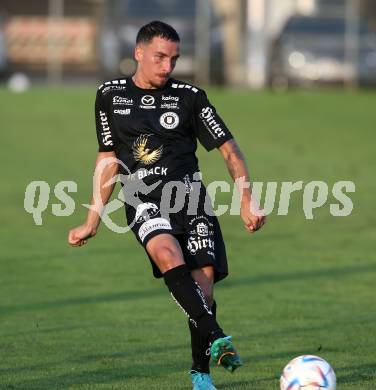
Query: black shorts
[(198, 233)]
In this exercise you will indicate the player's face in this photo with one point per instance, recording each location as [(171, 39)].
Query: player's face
[(156, 60)]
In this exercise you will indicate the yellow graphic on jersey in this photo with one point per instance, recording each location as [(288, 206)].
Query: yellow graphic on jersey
[(143, 154)]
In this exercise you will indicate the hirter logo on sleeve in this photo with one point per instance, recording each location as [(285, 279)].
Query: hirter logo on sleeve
[(106, 133), (208, 119)]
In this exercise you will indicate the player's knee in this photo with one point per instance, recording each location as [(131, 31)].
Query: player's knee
[(168, 258)]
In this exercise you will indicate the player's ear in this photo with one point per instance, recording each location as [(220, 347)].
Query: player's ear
[(138, 53)]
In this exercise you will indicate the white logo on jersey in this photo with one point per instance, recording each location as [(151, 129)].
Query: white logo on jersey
[(123, 101), (127, 111), (169, 98), (112, 88), (170, 106), (169, 120), (214, 128), (147, 102), (106, 132)]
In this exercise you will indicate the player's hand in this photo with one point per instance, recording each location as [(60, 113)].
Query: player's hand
[(79, 235), (252, 216)]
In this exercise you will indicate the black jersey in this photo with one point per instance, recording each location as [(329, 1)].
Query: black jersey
[(154, 132)]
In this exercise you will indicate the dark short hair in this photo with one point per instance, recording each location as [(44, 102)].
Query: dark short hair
[(157, 29)]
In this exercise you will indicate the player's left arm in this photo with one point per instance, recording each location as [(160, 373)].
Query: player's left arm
[(250, 213)]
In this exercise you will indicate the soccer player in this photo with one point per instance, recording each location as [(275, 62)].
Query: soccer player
[(150, 123)]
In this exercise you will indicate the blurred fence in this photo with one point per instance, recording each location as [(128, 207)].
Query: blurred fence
[(238, 42), (29, 39)]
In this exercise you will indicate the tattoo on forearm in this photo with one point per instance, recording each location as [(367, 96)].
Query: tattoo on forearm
[(236, 163)]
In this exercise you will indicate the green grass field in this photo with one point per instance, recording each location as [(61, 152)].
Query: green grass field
[(95, 318)]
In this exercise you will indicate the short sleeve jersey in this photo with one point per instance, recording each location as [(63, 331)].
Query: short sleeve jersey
[(154, 132)]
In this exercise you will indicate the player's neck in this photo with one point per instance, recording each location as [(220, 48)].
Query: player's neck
[(141, 82)]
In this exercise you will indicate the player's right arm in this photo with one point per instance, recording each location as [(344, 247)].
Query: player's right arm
[(101, 195), (108, 169)]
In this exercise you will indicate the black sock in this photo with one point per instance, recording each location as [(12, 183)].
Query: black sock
[(190, 298), (200, 347)]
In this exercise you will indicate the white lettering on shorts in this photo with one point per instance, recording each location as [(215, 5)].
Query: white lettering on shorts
[(151, 225)]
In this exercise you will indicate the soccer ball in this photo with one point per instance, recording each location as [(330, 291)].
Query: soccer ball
[(308, 372)]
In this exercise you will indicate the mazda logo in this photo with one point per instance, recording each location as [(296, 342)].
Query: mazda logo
[(147, 100)]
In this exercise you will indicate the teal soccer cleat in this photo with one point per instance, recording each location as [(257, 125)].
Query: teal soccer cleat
[(223, 353), (201, 381)]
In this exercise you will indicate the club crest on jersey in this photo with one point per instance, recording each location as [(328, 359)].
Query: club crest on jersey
[(144, 154), (169, 120)]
